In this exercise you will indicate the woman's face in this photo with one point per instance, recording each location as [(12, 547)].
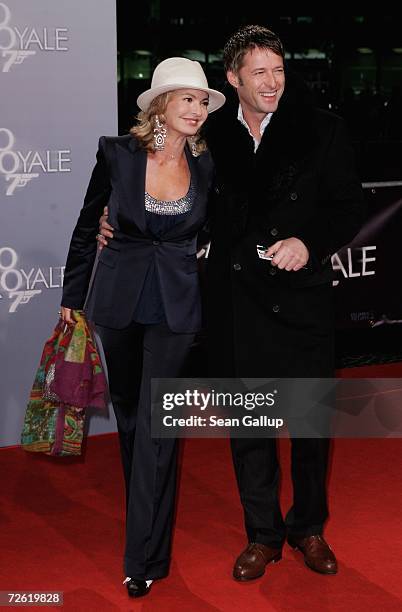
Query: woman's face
[(186, 111)]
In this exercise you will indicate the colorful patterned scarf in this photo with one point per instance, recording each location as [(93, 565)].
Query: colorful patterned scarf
[(69, 379)]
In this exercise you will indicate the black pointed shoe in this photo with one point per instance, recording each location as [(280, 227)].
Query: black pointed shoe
[(137, 588)]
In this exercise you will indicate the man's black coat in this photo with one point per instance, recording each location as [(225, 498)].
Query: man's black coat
[(301, 182)]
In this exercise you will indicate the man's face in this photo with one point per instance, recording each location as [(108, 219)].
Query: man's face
[(259, 82)]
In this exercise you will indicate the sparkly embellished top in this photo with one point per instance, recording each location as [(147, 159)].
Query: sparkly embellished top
[(160, 217)]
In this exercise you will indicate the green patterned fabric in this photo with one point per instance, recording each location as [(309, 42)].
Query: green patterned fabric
[(69, 379)]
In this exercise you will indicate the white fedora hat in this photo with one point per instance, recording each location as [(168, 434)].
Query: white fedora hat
[(179, 73)]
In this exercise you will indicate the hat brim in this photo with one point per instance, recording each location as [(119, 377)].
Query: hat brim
[(216, 98)]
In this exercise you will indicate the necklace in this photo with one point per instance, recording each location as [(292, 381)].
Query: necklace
[(162, 157), (167, 157)]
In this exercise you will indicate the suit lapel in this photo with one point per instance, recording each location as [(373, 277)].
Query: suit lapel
[(200, 183), (132, 164)]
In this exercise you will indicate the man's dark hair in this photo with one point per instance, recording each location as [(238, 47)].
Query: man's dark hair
[(249, 37)]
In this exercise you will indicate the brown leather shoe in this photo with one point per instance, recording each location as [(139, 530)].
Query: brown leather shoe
[(253, 560), (318, 555)]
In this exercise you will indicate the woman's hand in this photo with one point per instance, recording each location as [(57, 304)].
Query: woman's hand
[(66, 314)]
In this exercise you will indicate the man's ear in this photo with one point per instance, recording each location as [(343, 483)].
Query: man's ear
[(233, 79)]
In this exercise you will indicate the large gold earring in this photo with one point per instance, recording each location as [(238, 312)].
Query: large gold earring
[(160, 133)]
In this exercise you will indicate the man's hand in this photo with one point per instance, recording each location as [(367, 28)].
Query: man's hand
[(105, 230), (290, 254)]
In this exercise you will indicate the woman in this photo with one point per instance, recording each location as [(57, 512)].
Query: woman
[(144, 295)]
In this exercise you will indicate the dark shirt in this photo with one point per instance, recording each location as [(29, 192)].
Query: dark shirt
[(160, 218)]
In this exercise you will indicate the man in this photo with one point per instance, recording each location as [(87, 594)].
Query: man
[(285, 180)]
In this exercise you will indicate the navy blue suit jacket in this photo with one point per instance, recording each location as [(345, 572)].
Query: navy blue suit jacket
[(118, 180)]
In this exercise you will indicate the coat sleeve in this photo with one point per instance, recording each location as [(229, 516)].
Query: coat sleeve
[(83, 245), (204, 234), (343, 210)]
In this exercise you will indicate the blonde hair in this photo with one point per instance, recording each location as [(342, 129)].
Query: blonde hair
[(144, 129)]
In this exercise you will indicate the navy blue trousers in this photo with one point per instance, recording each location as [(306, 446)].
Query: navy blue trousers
[(134, 355)]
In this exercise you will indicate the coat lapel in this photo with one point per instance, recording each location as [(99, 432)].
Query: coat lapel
[(132, 163), (198, 210)]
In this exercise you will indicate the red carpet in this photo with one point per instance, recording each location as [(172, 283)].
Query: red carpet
[(62, 524), (62, 530), (385, 370)]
